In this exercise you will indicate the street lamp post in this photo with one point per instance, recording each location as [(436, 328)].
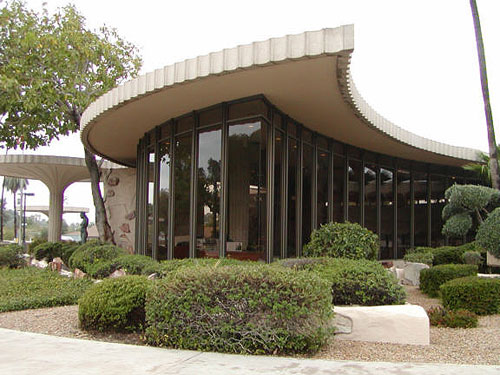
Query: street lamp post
[(24, 217)]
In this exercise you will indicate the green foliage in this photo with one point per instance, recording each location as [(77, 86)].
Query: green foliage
[(424, 257), (169, 267), (67, 249), (441, 317), (353, 282), (488, 234), (457, 225), (48, 251), (343, 240), (240, 309), (132, 264), (114, 304), (35, 243), (88, 254), (472, 257), (11, 256), (440, 255), (432, 278), (480, 295), (32, 288)]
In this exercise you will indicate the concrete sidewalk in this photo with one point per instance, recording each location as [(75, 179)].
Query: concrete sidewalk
[(23, 353)]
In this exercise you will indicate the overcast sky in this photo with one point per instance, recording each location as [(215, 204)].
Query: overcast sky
[(415, 62)]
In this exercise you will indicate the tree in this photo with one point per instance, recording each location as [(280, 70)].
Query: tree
[(14, 185), (493, 151), (51, 68)]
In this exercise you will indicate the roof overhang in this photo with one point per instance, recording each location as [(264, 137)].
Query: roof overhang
[(306, 76)]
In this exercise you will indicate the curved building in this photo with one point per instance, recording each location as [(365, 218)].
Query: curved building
[(243, 152)]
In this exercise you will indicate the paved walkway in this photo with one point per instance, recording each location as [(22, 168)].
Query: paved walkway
[(35, 354)]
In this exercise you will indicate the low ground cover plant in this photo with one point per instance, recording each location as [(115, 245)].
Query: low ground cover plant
[(169, 267), (11, 256), (131, 264), (93, 252), (476, 294), (114, 304), (32, 288), (441, 317), (432, 278), (343, 240), (353, 282), (240, 309)]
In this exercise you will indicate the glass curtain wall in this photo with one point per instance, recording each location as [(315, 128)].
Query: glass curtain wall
[(371, 191), (354, 175), (163, 199), (322, 187), (404, 214), (387, 213), (150, 201)]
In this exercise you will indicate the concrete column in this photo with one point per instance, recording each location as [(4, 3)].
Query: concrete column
[(55, 212)]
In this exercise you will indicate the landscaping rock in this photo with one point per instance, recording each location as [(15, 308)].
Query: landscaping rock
[(56, 264), (412, 273), (153, 276), (342, 323), (398, 324), (79, 274), (489, 275), (66, 273), (39, 263), (399, 273), (118, 273)]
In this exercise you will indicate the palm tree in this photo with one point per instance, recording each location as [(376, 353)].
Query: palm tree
[(482, 167), (13, 185), (493, 153)]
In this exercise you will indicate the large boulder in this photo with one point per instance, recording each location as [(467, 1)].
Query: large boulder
[(412, 273)]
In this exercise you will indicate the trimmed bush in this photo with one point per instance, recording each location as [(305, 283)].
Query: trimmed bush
[(35, 243), (488, 234), (114, 304), (353, 282), (132, 264), (11, 256), (33, 288), (67, 249), (457, 225), (343, 240), (432, 278), (426, 258), (480, 295), (86, 255), (169, 267), (240, 309), (48, 251), (472, 257), (448, 255), (440, 317)]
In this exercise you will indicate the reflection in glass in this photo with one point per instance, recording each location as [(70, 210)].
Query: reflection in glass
[(354, 214), (293, 162), (307, 169), (323, 160), (150, 200), (247, 191), (163, 199), (338, 188), (182, 181), (420, 207), (439, 184), (371, 197), (278, 168), (208, 205), (404, 212), (387, 214)]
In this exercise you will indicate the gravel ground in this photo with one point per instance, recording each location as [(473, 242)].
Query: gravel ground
[(462, 346)]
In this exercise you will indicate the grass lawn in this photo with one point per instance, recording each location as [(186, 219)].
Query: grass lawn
[(32, 288)]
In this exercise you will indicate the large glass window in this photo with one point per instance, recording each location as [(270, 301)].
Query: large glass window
[(208, 193), (150, 201), (439, 184), (247, 191), (307, 175), (371, 197), (404, 212), (323, 163), (354, 191), (387, 214), (163, 199), (293, 163), (182, 182), (278, 170), (420, 208), (338, 188)]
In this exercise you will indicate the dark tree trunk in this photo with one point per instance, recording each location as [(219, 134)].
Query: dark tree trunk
[(101, 220), (2, 210), (493, 164)]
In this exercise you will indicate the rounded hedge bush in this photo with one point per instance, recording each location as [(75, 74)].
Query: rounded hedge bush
[(353, 282), (67, 249), (425, 258), (88, 254), (240, 309), (131, 264), (480, 295), (457, 226), (11, 256), (169, 267), (472, 257), (488, 234), (114, 304), (343, 240), (432, 278), (48, 251)]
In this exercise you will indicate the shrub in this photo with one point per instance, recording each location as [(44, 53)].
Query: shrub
[(343, 240), (114, 304), (240, 309), (472, 257), (35, 243), (48, 251), (32, 288), (440, 317), (67, 249), (480, 295), (354, 282), (457, 225), (488, 234), (432, 278), (448, 255), (426, 258), (132, 264), (11, 256), (87, 254), (171, 266)]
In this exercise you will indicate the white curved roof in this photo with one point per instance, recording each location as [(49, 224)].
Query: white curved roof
[(305, 75)]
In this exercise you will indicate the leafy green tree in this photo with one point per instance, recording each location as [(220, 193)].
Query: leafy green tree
[(14, 185), (52, 66), (482, 167)]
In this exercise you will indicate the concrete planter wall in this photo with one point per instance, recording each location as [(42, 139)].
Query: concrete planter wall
[(492, 260)]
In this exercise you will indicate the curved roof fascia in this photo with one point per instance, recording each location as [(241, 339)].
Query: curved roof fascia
[(120, 117)]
